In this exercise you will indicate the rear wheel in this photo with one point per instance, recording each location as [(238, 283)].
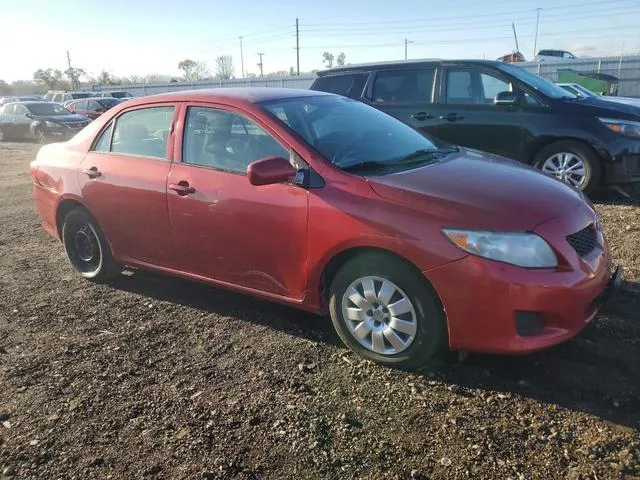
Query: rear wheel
[(384, 310), (571, 162), (87, 248)]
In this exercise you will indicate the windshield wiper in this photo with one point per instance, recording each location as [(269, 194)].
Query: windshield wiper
[(422, 156)]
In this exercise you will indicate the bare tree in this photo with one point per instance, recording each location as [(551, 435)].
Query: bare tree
[(224, 67), (187, 65), (328, 59), (340, 60)]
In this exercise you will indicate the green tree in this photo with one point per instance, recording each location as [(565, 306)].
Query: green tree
[(50, 78), (187, 66), (328, 59)]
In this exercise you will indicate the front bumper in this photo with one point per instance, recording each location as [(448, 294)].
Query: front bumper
[(62, 132), (626, 169), (483, 299)]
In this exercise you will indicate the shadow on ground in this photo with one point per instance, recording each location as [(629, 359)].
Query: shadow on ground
[(596, 373)]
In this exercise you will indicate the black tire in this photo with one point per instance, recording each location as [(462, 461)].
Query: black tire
[(430, 339), (40, 136), (86, 247), (591, 161)]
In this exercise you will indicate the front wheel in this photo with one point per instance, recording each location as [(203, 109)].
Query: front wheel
[(87, 248), (571, 162), (385, 311)]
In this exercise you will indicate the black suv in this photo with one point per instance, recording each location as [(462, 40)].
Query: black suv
[(502, 108)]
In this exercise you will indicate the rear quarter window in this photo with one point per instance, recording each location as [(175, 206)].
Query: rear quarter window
[(347, 85)]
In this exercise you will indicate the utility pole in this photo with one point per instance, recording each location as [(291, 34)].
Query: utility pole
[(515, 36), (260, 65), (297, 47), (406, 42), (71, 72), (241, 59), (535, 41)]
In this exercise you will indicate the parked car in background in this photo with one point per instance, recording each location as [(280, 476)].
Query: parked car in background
[(20, 98), (501, 108), (41, 121), (554, 55), (583, 92), (324, 203), (91, 107), (115, 94), (59, 96)]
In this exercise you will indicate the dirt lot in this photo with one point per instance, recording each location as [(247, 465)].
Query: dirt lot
[(153, 377)]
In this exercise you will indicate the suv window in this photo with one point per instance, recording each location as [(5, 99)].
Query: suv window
[(404, 86), (459, 86), (142, 132), (223, 140), (49, 96), (348, 85), (567, 55), (492, 86)]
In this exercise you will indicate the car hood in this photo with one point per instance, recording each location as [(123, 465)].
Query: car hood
[(71, 118), (626, 100), (598, 107), (475, 190)]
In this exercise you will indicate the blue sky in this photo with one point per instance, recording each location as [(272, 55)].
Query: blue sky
[(142, 37)]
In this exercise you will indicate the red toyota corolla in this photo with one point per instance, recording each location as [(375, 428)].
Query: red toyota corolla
[(325, 203)]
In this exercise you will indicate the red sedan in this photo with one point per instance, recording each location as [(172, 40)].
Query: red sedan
[(91, 107), (327, 204)]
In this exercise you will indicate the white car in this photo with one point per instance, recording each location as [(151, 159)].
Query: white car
[(554, 55), (584, 92)]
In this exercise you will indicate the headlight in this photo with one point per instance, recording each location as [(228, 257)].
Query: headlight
[(623, 127), (522, 249), (52, 124)]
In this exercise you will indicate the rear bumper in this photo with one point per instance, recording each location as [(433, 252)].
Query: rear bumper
[(46, 202), (484, 300)]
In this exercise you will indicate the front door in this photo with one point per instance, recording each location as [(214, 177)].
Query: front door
[(124, 181), (467, 114), (223, 227), (407, 94), (21, 122)]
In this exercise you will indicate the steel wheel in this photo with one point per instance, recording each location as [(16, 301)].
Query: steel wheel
[(569, 168), (83, 248), (379, 315)]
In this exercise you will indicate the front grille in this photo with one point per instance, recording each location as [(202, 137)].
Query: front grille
[(584, 241)]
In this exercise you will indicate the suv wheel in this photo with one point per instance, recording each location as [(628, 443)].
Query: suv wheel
[(571, 162), (384, 310)]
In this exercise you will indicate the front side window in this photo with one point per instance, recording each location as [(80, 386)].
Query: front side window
[(492, 86), (143, 132), (92, 105), (225, 140), (9, 109), (21, 109), (348, 132), (404, 86), (104, 142), (80, 105)]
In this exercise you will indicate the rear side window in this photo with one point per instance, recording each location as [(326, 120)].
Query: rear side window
[(140, 132), (459, 86), (349, 85), (80, 105), (404, 86)]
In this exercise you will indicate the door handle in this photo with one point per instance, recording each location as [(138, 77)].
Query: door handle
[(182, 188), (421, 116), (92, 172), (451, 117)]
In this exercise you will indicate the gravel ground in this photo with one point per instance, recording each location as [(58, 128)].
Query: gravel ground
[(154, 377)]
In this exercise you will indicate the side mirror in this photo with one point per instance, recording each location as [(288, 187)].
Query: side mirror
[(270, 170), (28, 115), (507, 98), (100, 110)]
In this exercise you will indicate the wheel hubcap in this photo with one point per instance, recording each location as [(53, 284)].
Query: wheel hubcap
[(379, 315), (85, 244), (84, 248), (567, 167)]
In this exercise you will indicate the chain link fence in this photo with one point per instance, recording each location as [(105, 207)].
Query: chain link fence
[(626, 69)]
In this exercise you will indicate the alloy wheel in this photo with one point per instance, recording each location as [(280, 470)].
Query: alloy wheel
[(568, 167), (379, 315)]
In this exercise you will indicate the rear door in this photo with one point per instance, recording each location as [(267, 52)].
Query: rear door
[(407, 94), (467, 115), (123, 180)]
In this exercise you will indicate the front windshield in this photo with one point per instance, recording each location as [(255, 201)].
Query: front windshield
[(348, 132), (46, 109), (584, 91), (538, 83), (80, 95)]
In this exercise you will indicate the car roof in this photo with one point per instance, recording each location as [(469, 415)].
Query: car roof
[(406, 64), (241, 95)]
